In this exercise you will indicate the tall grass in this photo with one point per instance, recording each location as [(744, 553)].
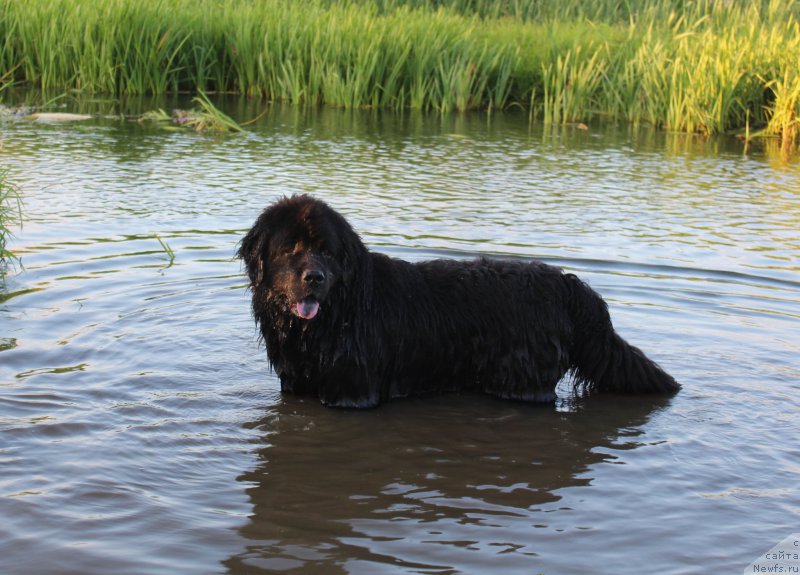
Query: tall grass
[(570, 84), (686, 65), (10, 208), (784, 115)]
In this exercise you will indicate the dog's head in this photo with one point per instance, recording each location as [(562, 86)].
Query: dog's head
[(298, 251)]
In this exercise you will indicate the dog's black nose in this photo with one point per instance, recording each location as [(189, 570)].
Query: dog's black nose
[(313, 276)]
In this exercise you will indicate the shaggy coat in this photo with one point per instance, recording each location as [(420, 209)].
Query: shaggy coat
[(356, 328)]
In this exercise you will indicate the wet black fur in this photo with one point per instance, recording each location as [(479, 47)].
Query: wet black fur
[(388, 328)]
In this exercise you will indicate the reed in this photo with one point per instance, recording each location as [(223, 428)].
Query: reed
[(10, 213), (211, 118), (784, 115), (570, 84), (170, 253), (702, 66), (206, 118)]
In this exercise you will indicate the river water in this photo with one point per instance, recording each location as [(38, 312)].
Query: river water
[(141, 430)]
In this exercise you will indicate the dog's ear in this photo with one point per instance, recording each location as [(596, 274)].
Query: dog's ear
[(251, 251), (356, 264)]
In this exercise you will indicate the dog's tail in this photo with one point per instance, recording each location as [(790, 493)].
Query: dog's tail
[(601, 359)]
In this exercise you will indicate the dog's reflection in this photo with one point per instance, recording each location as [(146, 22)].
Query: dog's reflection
[(412, 484)]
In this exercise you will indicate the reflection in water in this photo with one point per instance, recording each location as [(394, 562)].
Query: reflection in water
[(422, 484)]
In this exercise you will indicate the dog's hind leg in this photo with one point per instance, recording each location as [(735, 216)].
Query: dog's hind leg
[(601, 359)]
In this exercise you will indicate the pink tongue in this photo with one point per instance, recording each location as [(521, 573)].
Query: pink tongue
[(306, 308)]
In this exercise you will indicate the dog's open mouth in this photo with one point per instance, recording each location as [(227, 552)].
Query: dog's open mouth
[(306, 308)]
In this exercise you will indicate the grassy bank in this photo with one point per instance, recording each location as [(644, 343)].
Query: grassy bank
[(703, 66)]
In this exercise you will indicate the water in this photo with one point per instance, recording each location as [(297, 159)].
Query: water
[(141, 430)]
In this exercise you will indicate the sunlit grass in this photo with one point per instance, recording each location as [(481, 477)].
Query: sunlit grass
[(784, 115), (704, 66)]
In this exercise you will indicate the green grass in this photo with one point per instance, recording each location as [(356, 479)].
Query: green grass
[(784, 114), (704, 66), (206, 118), (167, 250), (10, 213)]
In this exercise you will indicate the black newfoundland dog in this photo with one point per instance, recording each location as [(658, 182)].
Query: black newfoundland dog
[(356, 328)]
